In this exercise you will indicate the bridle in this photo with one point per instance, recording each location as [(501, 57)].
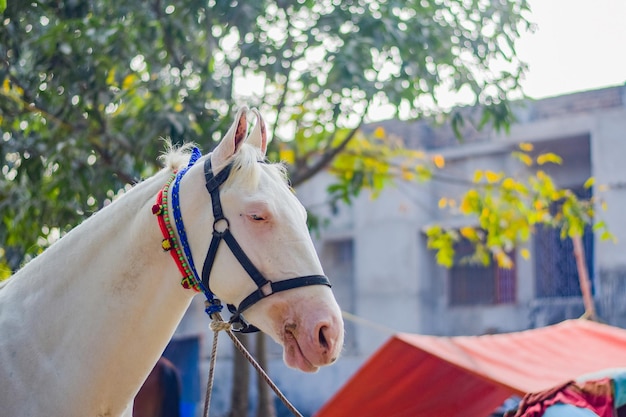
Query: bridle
[(221, 232)]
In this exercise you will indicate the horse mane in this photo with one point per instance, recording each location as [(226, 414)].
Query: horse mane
[(249, 162), (174, 157), (246, 162)]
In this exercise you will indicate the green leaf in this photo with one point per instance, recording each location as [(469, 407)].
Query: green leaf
[(606, 235), (599, 225), (457, 122), (3, 5)]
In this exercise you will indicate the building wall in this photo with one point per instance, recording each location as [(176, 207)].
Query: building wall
[(396, 285), (400, 287)]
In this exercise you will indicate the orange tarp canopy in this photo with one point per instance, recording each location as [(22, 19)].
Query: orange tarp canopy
[(413, 375)]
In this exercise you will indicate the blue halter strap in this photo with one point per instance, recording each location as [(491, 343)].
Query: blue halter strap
[(214, 305)]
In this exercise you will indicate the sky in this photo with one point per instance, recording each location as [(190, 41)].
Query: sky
[(579, 45)]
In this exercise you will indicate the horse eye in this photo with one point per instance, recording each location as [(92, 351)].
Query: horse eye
[(257, 217)]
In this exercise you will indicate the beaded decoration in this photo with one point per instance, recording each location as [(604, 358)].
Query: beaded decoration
[(169, 242), (178, 217), (181, 252)]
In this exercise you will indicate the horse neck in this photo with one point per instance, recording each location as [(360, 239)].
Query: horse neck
[(98, 307)]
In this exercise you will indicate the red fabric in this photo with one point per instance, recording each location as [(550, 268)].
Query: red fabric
[(415, 375), (596, 396)]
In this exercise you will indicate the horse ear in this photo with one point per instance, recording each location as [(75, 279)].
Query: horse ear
[(258, 136), (234, 138)]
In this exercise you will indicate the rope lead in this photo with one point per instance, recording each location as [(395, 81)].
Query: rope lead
[(216, 326)]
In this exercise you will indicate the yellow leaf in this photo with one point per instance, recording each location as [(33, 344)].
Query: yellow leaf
[(423, 173), (128, 82), (525, 158), (443, 202), (604, 205), (468, 233), (541, 216), (178, 107), (525, 253), (287, 155), (526, 147), (379, 132), (508, 184), (111, 77), (407, 175), (589, 183), (557, 195), (439, 161), (470, 202), (549, 157), (5, 270), (10, 88), (416, 154), (492, 177), (466, 207), (504, 261), (478, 175)]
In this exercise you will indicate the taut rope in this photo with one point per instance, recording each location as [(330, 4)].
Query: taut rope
[(217, 325)]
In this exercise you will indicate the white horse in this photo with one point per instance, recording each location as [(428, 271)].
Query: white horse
[(82, 325)]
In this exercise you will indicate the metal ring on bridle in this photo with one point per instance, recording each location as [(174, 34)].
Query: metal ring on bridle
[(216, 223)]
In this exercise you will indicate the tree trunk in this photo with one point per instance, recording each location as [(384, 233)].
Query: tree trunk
[(265, 407), (583, 278), (241, 381)]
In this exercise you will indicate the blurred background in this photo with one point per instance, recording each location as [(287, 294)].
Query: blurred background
[(461, 160)]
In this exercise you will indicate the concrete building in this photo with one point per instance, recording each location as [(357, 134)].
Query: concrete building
[(375, 253)]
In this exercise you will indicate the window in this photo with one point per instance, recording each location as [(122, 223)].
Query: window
[(556, 274), (475, 284)]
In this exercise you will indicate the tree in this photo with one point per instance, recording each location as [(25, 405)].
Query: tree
[(506, 210), (88, 85)]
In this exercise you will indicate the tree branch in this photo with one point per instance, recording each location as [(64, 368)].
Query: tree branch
[(326, 158)]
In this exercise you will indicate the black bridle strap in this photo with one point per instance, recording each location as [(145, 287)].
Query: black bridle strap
[(213, 183), (279, 286), (237, 319), (265, 288)]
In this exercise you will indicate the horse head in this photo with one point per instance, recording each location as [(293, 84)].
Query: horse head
[(272, 272)]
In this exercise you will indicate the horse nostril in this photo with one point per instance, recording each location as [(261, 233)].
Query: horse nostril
[(322, 337)]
